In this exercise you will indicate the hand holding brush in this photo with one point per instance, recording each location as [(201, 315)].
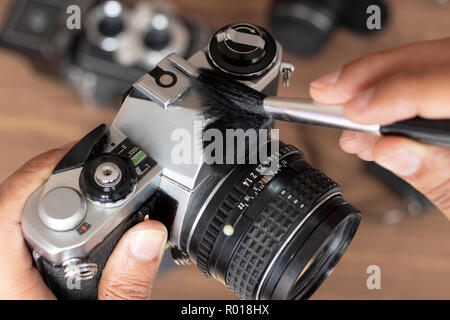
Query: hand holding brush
[(386, 89), (229, 99)]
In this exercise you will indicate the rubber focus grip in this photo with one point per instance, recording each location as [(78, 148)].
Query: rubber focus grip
[(423, 130), (272, 227)]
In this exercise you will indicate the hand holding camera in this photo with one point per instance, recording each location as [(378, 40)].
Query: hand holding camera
[(138, 252)]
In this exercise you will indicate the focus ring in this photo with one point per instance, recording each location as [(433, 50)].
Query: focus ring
[(226, 207), (215, 227), (272, 225)]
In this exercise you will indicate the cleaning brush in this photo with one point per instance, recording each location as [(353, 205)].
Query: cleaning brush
[(230, 104)]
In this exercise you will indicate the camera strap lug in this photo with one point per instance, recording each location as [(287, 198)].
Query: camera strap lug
[(287, 69), (75, 269), (179, 257)]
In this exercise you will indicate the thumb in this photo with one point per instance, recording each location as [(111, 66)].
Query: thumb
[(426, 167), (131, 269)]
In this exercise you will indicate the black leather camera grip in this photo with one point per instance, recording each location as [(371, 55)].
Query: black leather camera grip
[(88, 289)]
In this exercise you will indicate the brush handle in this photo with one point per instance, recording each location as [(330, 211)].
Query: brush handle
[(423, 130), (307, 112)]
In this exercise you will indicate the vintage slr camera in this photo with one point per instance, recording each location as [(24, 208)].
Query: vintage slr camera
[(304, 26), (115, 46), (265, 235), (122, 43), (38, 29)]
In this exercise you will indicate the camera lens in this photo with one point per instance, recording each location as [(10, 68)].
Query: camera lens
[(274, 236), (157, 39), (106, 25), (355, 15), (110, 27), (303, 26)]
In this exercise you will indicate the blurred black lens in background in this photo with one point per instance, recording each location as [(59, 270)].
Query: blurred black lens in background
[(110, 27), (157, 39), (304, 26), (354, 16)]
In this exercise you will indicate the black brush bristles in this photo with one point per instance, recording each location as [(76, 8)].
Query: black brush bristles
[(229, 104)]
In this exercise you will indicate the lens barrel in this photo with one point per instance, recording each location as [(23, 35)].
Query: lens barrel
[(106, 25), (273, 236), (304, 26), (110, 27)]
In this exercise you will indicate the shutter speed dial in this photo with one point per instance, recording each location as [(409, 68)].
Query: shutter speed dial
[(242, 50), (241, 44)]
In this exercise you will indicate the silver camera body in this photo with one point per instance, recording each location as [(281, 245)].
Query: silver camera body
[(116, 176)]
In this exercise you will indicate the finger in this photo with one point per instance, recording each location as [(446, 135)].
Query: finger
[(131, 269), (23, 280), (340, 86), (358, 143), (402, 96), (16, 189), (425, 167)]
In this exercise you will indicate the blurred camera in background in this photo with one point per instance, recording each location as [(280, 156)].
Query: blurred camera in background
[(304, 26), (116, 45)]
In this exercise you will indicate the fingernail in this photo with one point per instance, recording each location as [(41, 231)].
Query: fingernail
[(348, 136), (327, 80), (67, 145), (366, 155), (362, 100), (147, 244), (401, 162)]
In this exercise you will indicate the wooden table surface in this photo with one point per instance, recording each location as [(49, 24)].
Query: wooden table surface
[(38, 112)]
